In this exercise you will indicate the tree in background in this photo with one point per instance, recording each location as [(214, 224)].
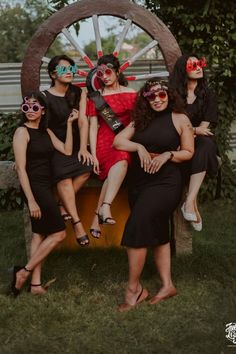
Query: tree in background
[(208, 28), (107, 46), (138, 42), (18, 23), (55, 5)]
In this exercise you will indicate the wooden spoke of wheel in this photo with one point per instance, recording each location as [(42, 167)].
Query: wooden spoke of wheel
[(64, 18)]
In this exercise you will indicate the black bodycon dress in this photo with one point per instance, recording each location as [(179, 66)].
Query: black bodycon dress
[(205, 155), (153, 197), (38, 156), (64, 166)]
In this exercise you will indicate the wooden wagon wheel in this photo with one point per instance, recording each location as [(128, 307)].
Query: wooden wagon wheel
[(58, 22)]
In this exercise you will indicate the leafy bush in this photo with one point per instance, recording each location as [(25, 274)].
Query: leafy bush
[(208, 29), (11, 198)]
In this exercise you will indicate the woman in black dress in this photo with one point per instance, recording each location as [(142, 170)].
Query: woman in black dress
[(34, 146), (160, 136), (188, 78), (70, 172)]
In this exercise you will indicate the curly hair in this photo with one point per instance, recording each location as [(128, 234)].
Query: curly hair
[(73, 93), (37, 95), (178, 80), (111, 59), (143, 112)]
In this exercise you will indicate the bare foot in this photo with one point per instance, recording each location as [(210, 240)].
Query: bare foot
[(132, 299), (21, 277), (37, 289), (163, 294)]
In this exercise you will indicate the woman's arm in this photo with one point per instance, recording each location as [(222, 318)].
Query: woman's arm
[(84, 131), (66, 148), (123, 141), (203, 129), (185, 130), (20, 143), (93, 132), (209, 115)]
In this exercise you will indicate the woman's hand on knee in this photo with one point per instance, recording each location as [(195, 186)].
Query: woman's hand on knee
[(201, 130), (85, 157)]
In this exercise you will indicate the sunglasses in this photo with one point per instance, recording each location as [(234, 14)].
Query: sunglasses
[(192, 65), (62, 70), (151, 95), (34, 107), (104, 70)]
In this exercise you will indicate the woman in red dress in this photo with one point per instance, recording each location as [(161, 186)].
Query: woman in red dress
[(110, 164)]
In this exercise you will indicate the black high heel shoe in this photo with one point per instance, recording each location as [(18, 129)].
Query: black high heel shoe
[(95, 232), (16, 269), (105, 221), (65, 215), (82, 240)]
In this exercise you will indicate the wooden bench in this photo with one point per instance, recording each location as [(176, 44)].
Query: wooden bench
[(181, 235)]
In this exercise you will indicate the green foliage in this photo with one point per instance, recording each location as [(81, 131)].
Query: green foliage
[(108, 44), (59, 4), (11, 198), (208, 28), (8, 124), (17, 26)]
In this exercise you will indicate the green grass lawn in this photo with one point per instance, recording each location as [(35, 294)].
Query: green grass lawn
[(78, 314)]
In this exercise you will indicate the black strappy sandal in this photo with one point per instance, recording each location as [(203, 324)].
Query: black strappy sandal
[(16, 269), (65, 216), (105, 221), (37, 285), (95, 232), (82, 240)]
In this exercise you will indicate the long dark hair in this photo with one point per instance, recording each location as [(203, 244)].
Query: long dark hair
[(37, 95), (143, 112), (178, 80), (110, 58), (73, 93)]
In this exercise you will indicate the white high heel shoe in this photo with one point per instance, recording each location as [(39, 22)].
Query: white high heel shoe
[(197, 225), (188, 216)]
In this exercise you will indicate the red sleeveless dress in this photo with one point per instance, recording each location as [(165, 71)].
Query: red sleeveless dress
[(122, 104)]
